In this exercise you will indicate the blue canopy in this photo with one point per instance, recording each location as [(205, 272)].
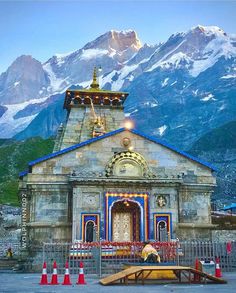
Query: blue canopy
[(230, 207)]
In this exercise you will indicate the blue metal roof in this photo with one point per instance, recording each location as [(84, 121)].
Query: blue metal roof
[(23, 173), (151, 138), (230, 207)]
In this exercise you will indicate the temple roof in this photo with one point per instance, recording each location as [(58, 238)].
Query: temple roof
[(134, 131), (95, 94)]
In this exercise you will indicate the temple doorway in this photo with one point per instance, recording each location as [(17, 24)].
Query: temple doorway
[(125, 221), (162, 231), (89, 231)]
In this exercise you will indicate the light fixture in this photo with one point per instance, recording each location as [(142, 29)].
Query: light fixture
[(129, 124)]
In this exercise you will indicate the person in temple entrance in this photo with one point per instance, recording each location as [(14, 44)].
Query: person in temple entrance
[(150, 254)]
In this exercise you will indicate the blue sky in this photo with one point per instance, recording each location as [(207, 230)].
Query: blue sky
[(43, 28)]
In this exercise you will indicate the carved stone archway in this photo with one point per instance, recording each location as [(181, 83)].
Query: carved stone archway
[(127, 164)]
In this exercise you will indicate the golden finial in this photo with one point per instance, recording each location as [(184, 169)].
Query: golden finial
[(95, 84)]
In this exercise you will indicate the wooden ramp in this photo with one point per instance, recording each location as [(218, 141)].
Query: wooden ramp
[(120, 276), (142, 273), (209, 277)]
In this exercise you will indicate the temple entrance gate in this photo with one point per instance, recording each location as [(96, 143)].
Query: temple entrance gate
[(125, 221), (126, 209)]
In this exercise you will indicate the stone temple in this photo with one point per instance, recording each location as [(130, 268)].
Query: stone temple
[(107, 180)]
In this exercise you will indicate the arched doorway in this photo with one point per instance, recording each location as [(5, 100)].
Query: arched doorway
[(162, 231), (89, 231), (125, 221)]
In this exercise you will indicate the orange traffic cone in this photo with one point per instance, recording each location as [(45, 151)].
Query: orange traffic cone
[(44, 278), (54, 280), (81, 280), (218, 273), (196, 276), (67, 275)]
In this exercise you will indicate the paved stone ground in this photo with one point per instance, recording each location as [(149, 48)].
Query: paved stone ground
[(29, 283)]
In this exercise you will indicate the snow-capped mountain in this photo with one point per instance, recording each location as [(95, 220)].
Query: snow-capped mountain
[(182, 87), (23, 81), (111, 51)]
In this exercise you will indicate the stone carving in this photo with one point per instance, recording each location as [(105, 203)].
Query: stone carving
[(126, 141), (127, 168), (121, 226), (99, 127), (91, 200), (161, 201), (127, 163)]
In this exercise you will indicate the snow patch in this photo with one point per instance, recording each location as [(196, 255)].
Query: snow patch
[(228, 76), (92, 53), (178, 126), (210, 30), (11, 126), (131, 77), (195, 92), (165, 82), (63, 55), (208, 98), (128, 114), (222, 107), (151, 104), (161, 130), (124, 73), (164, 58), (56, 84), (220, 46), (85, 84), (176, 60)]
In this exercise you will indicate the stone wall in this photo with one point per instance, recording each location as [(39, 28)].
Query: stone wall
[(224, 235), (94, 157), (79, 125)]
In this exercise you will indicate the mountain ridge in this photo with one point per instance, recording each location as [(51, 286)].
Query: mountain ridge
[(170, 69)]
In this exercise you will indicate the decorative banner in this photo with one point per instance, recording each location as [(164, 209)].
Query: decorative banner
[(24, 221), (229, 247)]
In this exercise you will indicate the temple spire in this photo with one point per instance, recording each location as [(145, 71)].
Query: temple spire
[(95, 84)]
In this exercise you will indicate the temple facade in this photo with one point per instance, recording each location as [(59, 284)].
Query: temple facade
[(106, 180)]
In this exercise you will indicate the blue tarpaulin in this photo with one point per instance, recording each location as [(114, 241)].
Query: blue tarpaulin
[(230, 207)]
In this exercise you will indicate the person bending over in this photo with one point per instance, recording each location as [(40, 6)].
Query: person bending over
[(150, 254)]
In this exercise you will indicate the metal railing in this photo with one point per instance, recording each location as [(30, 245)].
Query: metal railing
[(110, 257), (102, 257), (208, 250)]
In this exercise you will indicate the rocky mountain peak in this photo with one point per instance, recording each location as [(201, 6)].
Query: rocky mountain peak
[(199, 48), (116, 40), (208, 30), (22, 81), (22, 68)]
